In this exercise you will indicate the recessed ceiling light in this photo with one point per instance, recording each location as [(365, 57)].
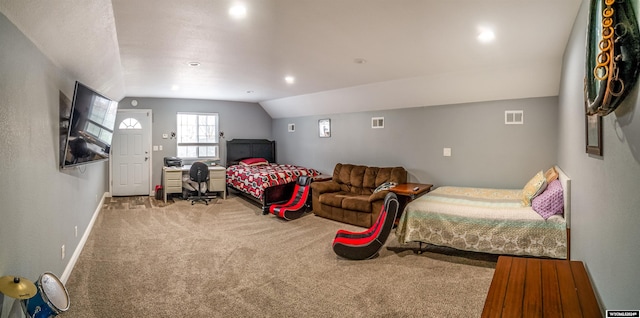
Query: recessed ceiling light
[(290, 79), (486, 35), (194, 64), (238, 11), (175, 87)]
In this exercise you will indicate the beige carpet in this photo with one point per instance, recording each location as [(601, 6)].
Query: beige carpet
[(144, 259)]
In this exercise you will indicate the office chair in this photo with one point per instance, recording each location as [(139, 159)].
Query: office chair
[(199, 173), (367, 244)]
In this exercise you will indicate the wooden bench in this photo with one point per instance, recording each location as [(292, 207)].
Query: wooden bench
[(533, 287)]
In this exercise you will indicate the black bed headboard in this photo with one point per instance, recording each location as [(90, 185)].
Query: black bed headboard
[(238, 149)]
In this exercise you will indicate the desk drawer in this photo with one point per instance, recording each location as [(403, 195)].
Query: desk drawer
[(217, 174), (174, 183), (173, 175), (217, 185), (173, 190)]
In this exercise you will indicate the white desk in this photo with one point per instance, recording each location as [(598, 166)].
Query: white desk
[(172, 179)]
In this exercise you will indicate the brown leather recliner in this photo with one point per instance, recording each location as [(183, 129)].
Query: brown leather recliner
[(349, 196)]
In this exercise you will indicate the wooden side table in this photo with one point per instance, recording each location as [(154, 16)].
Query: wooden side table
[(408, 192), (411, 190)]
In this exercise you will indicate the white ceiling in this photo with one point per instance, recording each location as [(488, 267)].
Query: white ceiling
[(417, 52)]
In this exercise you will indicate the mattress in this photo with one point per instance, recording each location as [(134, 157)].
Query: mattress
[(253, 180), (482, 220)]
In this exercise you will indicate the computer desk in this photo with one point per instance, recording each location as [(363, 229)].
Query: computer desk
[(172, 179)]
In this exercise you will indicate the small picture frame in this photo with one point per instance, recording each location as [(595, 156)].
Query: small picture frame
[(324, 128), (593, 136)]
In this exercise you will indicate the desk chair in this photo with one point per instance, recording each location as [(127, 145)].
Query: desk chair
[(199, 173)]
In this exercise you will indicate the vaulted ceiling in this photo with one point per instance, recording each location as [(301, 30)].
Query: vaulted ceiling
[(344, 55)]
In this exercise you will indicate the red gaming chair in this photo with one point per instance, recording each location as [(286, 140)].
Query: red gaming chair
[(296, 206), (367, 244)]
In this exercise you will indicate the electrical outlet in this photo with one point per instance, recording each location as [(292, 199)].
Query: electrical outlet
[(76, 231), (62, 251)]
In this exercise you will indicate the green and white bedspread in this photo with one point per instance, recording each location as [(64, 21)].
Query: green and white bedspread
[(482, 220)]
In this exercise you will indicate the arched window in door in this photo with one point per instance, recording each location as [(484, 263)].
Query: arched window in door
[(130, 123)]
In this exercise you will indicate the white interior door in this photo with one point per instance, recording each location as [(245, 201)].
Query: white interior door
[(131, 153)]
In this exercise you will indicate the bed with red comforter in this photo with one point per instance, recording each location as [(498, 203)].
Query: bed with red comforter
[(255, 180), (253, 172)]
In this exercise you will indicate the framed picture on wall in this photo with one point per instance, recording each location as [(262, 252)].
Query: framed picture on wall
[(324, 128), (594, 134)]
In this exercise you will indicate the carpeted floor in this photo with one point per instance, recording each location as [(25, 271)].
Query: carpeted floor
[(145, 258)]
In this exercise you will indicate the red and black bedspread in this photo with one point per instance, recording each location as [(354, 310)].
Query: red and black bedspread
[(254, 180)]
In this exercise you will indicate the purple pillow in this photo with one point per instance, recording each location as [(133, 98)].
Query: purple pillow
[(550, 201)]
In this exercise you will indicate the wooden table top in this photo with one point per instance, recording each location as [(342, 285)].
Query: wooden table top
[(408, 189), (534, 287)]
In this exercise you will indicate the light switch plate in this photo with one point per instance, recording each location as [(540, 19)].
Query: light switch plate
[(446, 152)]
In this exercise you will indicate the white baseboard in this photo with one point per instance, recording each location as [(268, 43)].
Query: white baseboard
[(83, 240)]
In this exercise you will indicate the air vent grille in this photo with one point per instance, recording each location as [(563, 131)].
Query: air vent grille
[(377, 122), (513, 117)]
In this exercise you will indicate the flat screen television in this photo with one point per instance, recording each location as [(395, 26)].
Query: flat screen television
[(90, 127)]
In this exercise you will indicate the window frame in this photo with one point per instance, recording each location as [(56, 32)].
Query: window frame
[(136, 124), (198, 144)]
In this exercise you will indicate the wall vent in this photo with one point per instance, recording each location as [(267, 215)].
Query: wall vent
[(291, 127), (513, 117), (377, 122)]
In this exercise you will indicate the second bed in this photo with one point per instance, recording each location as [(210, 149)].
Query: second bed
[(488, 220)]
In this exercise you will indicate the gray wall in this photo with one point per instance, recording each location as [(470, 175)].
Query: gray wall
[(605, 200), (485, 151), (39, 204), (236, 120)]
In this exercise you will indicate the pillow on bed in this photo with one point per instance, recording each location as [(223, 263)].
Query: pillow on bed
[(535, 186), (254, 162), (549, 202), (551, 175)]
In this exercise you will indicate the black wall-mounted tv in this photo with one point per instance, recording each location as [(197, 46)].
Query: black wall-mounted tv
[(90, 127)]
